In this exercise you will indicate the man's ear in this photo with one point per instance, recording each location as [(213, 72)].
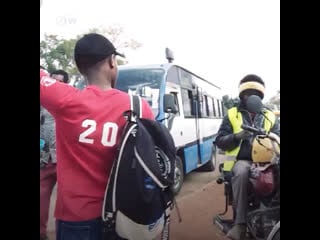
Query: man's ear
[(112, 61)]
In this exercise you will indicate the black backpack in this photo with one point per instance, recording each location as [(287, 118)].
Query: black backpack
[(139, 197)]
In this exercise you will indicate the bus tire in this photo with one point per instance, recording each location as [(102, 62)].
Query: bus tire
[(178, 176), (210, 166)]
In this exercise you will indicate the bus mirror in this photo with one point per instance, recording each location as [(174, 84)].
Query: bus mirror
[(169, 104)]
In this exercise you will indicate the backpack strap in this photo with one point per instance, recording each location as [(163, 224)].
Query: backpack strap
[(135, 105), (166, 230)]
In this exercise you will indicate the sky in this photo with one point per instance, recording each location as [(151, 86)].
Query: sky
[(219, 40)]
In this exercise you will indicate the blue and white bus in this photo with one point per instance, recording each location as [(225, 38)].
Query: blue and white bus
[(190, 106)]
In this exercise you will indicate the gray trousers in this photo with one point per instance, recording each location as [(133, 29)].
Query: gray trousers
[(240, 181)]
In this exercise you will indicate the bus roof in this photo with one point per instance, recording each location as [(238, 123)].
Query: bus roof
[(166, 67)]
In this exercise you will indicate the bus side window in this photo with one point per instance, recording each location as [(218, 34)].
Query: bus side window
[(187, 101), (203, 106), (223, 109), (219, 108), (195, 104), (214, 104), (209, 106), (175, 94), (173, 75)]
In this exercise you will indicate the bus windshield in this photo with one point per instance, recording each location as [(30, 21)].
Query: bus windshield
[(143, 82)]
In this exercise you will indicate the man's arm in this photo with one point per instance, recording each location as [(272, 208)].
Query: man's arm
[(54, 95), (226, 139)]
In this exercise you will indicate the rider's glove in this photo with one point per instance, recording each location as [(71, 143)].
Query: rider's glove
[(244, 134)]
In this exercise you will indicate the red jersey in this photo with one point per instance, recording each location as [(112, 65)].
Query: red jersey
[(89, 123)]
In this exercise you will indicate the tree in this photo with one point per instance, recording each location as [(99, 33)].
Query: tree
[(229, 102), (117, 36), (57, 52), (274, 102)]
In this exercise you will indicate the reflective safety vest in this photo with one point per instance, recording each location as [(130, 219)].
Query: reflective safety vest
[(235, 118)]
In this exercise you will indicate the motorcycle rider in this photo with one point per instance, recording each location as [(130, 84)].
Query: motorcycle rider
[(236, 142)]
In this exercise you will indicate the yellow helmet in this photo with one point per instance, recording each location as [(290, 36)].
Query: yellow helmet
[(263, 149)]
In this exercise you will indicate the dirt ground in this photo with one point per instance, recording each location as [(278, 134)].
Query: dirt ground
[(197, 211), (200, 199)]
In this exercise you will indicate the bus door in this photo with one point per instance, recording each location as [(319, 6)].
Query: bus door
[(206, 129), (197, 117)]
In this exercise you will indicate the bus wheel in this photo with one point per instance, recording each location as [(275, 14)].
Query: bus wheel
[(210, 165), (178, 176)]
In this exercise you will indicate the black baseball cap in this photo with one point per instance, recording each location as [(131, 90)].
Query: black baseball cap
[(91, 49)]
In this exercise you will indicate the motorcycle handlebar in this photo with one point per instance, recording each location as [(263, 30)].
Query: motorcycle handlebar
[(253, 129), (260, 132)]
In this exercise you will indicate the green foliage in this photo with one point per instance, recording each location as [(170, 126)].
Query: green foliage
[(274, 102), (117, 36), (229, 102), (57, 53)]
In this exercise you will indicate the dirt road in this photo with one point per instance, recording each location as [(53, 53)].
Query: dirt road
[(199, 200), (197, 211)]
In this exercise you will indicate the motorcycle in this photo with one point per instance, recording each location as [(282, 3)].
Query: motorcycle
[(263, 216)]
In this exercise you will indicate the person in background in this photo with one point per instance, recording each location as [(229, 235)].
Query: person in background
[(48, 176)]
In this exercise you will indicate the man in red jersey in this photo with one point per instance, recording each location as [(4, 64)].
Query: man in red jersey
[(89, 123)]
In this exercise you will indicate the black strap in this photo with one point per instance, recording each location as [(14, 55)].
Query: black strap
[(136, 105), (166, 230)]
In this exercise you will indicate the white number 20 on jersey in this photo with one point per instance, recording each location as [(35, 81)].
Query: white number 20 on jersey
[(108, 136)]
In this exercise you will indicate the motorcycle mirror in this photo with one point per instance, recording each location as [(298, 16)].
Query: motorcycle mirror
[(254, 104)]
